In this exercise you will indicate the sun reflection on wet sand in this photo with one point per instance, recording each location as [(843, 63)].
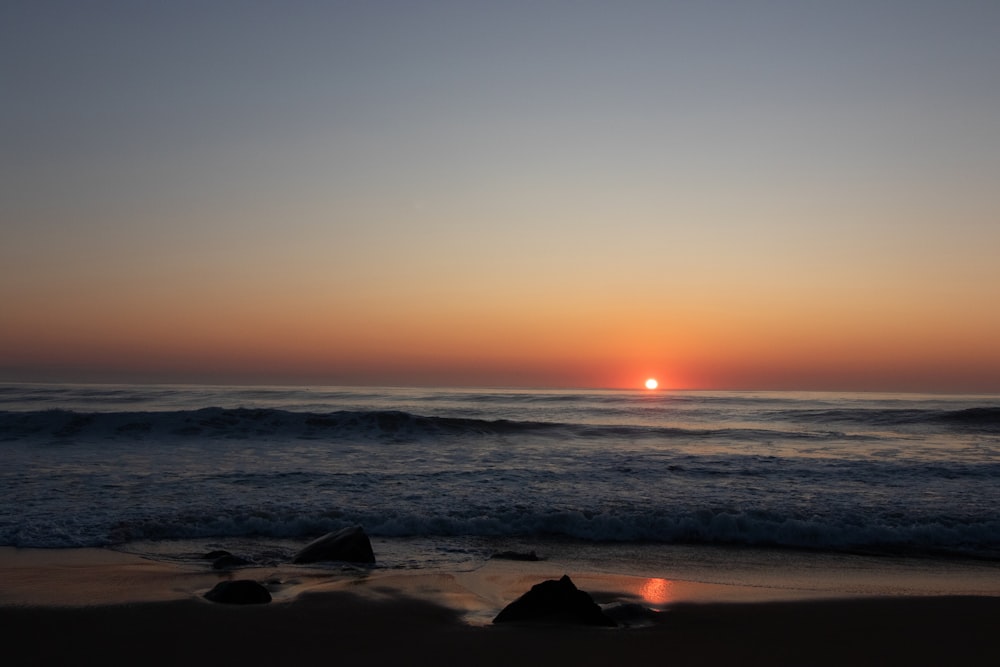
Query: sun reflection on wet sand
[(656, 591)]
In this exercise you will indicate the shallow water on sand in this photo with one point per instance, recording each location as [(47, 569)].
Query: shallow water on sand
[(740, 573)]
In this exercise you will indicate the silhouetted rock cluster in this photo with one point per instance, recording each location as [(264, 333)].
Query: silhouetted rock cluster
[(350, 545), (554, 601)]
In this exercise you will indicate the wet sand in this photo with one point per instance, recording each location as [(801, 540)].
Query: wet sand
[(93, 606)]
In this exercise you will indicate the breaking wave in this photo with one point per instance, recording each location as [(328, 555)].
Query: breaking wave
[(249, 423)]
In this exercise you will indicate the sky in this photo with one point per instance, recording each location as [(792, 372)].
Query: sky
[(769, 194)]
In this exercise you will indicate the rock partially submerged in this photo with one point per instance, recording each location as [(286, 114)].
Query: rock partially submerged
[(350, 545), (554, 601), (241, 591)]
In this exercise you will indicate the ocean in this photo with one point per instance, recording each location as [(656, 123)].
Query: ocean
[(445, 477)]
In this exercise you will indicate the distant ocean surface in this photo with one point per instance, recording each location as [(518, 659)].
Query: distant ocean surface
[(89, 465)]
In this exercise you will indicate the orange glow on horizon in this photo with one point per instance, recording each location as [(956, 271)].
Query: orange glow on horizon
[(312, 337)]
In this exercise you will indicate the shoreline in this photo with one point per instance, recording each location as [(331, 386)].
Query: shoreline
[(88, 576), (60, 606)]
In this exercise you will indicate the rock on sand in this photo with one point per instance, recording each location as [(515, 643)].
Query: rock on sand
[(350, 545), (554, 602)]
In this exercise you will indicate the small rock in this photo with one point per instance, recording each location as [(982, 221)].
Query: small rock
[(555, 602), (218, 553), (241, 591), (350, 545)]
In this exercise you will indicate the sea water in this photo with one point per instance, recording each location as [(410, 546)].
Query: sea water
[(446, 476)]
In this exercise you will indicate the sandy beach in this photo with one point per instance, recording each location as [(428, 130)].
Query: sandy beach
[(95, 606)]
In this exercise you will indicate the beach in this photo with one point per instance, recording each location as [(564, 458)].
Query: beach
[(101, 606), (715, 528)]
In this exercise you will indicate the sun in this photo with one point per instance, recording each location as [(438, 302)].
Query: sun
[(651, 383)]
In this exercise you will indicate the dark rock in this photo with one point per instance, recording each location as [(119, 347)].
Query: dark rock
[(241, 591), (554, 602), (350, 545), (227, 561), (516, 555), (218, 553)]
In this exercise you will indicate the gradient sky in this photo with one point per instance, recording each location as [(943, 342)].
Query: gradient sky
[(757, 195)]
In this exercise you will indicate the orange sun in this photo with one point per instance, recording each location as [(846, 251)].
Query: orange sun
[(651, 383)]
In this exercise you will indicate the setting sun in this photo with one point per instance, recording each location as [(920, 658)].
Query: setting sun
[(651, 383)]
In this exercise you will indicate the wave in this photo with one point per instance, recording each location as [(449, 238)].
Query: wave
[(244, 423), (250, 423), (985, 417)]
